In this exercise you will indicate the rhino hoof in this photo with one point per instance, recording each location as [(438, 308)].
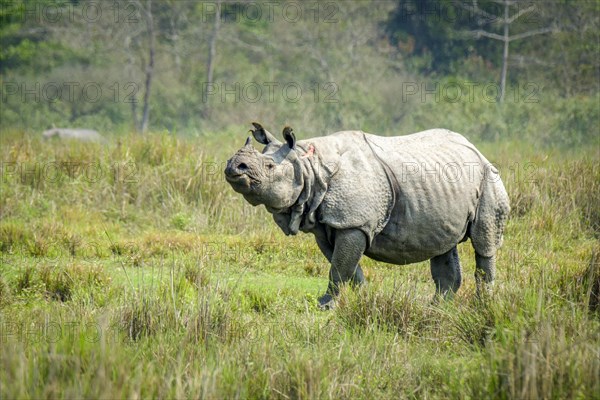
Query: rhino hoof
[(326, 302)]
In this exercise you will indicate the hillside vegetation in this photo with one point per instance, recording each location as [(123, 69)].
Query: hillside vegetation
[(387, 67)]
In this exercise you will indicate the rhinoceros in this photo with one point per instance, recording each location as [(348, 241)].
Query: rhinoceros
[(84, 135), (399, 200)]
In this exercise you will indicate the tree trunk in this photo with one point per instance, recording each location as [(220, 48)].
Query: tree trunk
[(149, 67), (129, 69), (505, 53), (212, 52), (136, 123)]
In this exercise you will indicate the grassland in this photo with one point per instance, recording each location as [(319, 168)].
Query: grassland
[(131, 270)]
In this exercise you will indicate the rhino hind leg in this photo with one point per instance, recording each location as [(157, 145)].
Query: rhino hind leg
[(485, 272), (446, 273), (348, 248), (487, 234)]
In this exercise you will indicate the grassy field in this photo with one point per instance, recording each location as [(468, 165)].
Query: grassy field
[(131, 269)]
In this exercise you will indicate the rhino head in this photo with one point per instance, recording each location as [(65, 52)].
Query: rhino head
[(272, 177)]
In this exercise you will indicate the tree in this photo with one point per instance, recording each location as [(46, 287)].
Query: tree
[(150, 66), (505, 22), (212, 53)]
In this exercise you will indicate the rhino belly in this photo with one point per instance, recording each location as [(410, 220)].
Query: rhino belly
[(402, 242), (421, 227)]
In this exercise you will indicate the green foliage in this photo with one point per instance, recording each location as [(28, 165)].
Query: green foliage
[(436, 36), (432, 33), (26, 45)]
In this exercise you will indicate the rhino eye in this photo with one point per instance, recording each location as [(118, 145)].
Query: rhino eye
[(270, 165)]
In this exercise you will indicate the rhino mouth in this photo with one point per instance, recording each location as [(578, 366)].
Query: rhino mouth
[(238, 179), (234, 177), (241, 181)]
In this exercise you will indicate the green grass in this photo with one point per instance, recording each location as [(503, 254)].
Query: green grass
[(150, 277)]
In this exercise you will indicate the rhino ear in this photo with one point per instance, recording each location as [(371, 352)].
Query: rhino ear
[(290, 138), (262, 135)]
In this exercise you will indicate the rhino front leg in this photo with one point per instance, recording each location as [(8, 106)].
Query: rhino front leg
[(349, 246), (446, 273)]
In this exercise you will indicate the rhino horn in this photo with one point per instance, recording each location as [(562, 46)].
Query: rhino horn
[(262, 135), (290, 138)]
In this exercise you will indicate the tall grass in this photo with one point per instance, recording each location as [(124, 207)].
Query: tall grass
[(153, 279)]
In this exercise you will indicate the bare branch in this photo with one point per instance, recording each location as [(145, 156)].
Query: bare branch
[(475, 8), (520, 14), (495, 19), (525, 60), (479, 33), (504, 2), (531, 33)]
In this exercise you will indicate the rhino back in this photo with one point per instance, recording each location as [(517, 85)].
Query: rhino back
[(440, 176), (80, 134)]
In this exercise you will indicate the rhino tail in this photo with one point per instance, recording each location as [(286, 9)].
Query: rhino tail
[(490, 219)]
